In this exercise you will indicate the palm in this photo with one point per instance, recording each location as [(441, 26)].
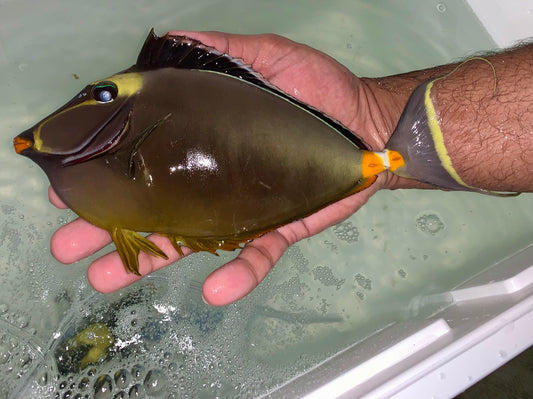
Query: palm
[(313, 78)]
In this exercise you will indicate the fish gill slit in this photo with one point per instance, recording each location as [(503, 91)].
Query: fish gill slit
[(144, 135)]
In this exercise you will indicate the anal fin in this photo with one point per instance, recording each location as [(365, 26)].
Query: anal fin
[(197, 244), (129, 244)]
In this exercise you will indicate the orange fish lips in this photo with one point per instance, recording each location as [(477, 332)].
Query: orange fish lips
[(21, 144)]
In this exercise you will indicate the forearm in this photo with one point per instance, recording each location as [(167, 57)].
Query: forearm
[(488, 135)]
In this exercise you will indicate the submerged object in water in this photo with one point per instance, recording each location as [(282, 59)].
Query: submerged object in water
[(88, 346), (193, 145)]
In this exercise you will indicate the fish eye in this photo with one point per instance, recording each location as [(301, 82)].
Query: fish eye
[(105, 92)]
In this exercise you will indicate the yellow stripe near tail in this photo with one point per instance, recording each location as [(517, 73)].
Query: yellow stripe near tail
[(377, 162)]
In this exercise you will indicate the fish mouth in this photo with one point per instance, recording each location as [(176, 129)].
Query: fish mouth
[(21, 144)]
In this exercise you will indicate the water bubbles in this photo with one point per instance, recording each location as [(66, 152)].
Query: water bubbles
[(22, 321), (429, 223), (402, 273), (122, 378), (172, 367), (300, 261), (325, 276), (4, 354), (103, 387), (61, 221), (24, 359), (42, 379), (347, 232), (291, 289), (84, 383), (331, 246), (123, 384), (136, 391), (155, 382), (441, 7), (363, 282), (137, 371), (7, 209), (3, 308)]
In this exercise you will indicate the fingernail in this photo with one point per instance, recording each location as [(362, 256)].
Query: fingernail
[(205, 301)]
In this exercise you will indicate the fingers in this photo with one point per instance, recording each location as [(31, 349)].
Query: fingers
[(269, 54), (246, 47), (239, 277), (55, 200), (225, 285), (77, 240), (107, 273)]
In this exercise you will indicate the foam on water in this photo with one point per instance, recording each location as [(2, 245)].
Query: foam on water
[(327, 292)]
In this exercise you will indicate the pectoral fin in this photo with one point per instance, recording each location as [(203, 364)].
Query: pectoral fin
[(129, 244)]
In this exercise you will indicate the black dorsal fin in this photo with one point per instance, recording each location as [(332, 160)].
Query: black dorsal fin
[(170, 51)]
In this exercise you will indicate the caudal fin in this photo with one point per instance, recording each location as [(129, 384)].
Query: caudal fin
[(418, 138)]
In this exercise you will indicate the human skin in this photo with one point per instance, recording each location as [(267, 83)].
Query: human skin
[(489, 139)]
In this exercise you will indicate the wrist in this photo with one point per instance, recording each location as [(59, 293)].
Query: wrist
[(485, 111), (488, 136)]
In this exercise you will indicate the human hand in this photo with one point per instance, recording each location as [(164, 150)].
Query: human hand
[(304, 73)]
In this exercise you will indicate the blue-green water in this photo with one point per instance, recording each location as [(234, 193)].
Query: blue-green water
[(326, 293)]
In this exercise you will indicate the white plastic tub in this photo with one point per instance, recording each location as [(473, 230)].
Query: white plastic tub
[(485, 324)]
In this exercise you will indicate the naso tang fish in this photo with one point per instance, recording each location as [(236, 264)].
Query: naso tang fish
[(196, 146), (192, 144)]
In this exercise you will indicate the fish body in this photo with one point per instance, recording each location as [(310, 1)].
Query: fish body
[(230, 169), (209, 156)]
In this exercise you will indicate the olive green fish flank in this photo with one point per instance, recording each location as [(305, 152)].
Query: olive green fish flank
[(137, 146)]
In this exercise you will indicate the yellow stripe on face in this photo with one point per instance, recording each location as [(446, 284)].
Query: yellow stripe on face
[(37, 141), (438, 138), (128, 84)]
